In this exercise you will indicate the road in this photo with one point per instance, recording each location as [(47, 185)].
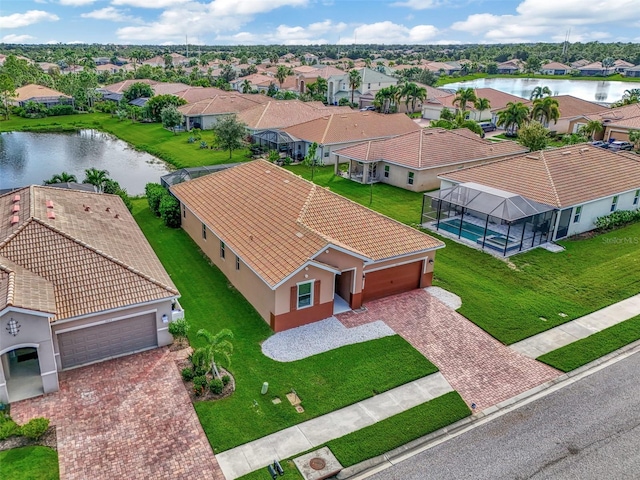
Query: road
[(587, 430)]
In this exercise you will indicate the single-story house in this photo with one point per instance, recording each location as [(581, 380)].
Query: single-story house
[(414, 160), (570, 107), (555, 68), (257, 81), (368, 99), (621, 66), (79, 283), (520, 202), (594, 69), (432, 107), (617, 122), (159, 88), (296, 251), (510, 66), (338, 130), (205, 113), (39, 94), (632, 72)]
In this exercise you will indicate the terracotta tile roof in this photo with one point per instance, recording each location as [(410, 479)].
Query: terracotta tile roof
[(615, 116), (431, 147), (21, 288), (119, 87), (561, 177), (571, 106), (283, 114), (555, 66), (168, 88), (36, 91), (95, 259), (276, 221), (196, 94), (226, 102), (353, 126)]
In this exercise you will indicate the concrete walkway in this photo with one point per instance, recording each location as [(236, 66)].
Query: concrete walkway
[(305, 436), (579, 328)]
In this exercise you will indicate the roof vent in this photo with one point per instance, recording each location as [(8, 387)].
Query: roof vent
[(584, 149), (16, 198), (299, 234), (87, 208), (267, 171), (15, 208), (568, 152), (49, 203), (117, 215), (15, 219), (108, 209), (51, 215), (286, 181)]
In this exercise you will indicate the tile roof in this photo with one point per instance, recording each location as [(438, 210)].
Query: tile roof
[(429, 148), (73, 239), (119, 87), (283, 114), (497, 99), (36, 91), (353, 126), (226, 102), (276, 221), (21, 288), (555, 66), (561, 177), (196, 94), (571, 106), (626, 115)]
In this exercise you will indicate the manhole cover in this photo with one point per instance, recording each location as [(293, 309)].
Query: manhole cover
[(317, 463)]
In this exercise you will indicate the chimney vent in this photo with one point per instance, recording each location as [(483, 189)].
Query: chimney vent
[(108, 209)]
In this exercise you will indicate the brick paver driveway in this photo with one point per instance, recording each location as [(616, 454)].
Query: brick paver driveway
[(128, 418), (480, 368)]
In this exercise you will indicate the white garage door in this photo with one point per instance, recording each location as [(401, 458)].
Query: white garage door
[(107, 340)]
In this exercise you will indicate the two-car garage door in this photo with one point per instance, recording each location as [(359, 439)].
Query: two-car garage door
[(391, 281), (106, 340)]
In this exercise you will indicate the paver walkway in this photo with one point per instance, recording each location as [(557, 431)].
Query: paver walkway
[(304, 436), (481, 369), (126, 418), (579, 328)]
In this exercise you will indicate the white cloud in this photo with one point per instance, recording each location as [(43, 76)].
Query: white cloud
[(109, 13), (149, 3), (314, 33), (417, 4), (40, 1), (17, 20), (76, 3), (389, 32), (13, 38)]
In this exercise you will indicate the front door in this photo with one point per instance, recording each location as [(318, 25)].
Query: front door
[(21, 369)]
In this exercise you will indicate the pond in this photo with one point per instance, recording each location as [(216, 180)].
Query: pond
[(30, 158), (590, 90)]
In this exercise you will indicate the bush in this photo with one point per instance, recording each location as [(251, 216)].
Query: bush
[(170, 211), (60, 110), (8, 428), (35, 428), (200, 371), (179, 328), (199, 384), (187, 374), (154, 193), (216, 386), (617, 219), (225, 380)]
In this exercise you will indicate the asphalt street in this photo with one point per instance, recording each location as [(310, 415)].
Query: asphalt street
[(587, 430)]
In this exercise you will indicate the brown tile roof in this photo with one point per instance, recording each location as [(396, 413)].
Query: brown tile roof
[(571, 106), (119, 87), (431, 147), (226, 102), (196, 94), (36, 91), (555, 66), (283, 114), (276, 221), (95, 260), (21, 288), (353, 126), (561, 177)]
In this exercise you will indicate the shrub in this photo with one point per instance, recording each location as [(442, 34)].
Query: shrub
[(191, 140), (35, 428), (60, 110), (225, 380), (179, 328), (154, 193), (200, 371), (170, 211), (216, 386), (617, 219), (203, 144), (199, 383), (8, 428), (187, 374)]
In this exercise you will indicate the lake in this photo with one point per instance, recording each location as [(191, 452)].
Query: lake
[(30, 158), (590, 90)]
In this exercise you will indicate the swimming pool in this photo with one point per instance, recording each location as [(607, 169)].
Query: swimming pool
[(469, 230)]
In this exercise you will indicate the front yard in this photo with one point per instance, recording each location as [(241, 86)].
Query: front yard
[(29, 463)]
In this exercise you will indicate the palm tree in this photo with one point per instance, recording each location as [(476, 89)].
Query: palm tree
[(322, 86), (354, 82), (96, 177), (540, 92), (591, 128), (246, 86), (419, 93), (634, 137), (464, 96), (513, 116), (630, 96), (63, 177), (607, 63), (545, 109), (481, 104), (383, 99), (218, 345), (282, 74)]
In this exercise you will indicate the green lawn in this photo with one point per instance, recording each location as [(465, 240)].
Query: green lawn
[(29, 463), (387, 434), (599, 344), (324, 382)]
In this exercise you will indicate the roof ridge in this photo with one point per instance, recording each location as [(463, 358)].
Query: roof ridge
[(264, 112), (11, 288), (306, 203), (106, 256), (18, 230), (326, 128), (548, 172), (420, 150)]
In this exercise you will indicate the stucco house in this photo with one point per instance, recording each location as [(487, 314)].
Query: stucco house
[(617, 122), (570, 107), (204, 114), (520, 202), (414, 160), (632, 72), (338, 85), (79, 283), (39, 94), (432, 107), (297, 251), (510, 66), (555, 68)]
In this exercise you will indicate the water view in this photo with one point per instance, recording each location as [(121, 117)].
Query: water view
[(590, 90), (30, 158)]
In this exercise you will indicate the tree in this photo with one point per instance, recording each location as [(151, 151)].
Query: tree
[(171, 117), (591, 128), (229, 134), (281, 74), (137, 90), (514, 116), (464, 96), (96, 178), (534, 136), (227, 74), (246, 86), (459, 121), (532, 65), (540, 92), (354, 82), (481, 104), (217, 345), (7, 93), (607, 63), (545, 109), (634, 137), (310, 158), (63, 177), (154, 106)]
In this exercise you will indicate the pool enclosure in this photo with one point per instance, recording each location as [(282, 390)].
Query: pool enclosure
[(494, 220)]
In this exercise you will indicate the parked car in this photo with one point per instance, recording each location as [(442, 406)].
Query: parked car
[(369, 108), (600, 143), (487, 126), (620, 145)]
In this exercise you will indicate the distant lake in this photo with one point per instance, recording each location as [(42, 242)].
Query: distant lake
[(30, 158), (590, 90)]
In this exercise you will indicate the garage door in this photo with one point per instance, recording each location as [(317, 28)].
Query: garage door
[(391, 281), (107, 340)]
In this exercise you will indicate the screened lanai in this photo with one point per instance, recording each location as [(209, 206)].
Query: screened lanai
[(491, 219), (280, 141)]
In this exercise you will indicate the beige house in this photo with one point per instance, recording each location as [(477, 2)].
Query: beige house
[(414, 160), (205, 113), (338, 85), (432, 107), (39, 94), (78, 284), (570, 107), (616, 122), (297, 251)]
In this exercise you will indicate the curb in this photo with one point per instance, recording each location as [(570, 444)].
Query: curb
[(396, 455)]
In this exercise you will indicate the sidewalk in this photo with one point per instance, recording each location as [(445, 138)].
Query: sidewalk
[(579, 328), (305, 436)]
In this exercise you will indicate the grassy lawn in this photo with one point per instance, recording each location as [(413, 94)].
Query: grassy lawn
[(29, 463), (324, 382), (387, 434), (599, 344)]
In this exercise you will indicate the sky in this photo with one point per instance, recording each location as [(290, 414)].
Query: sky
[(304, 22)]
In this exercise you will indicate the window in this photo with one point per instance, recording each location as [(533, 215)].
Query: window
[(326, 154), (305, 294), (368, 86), (222, 248), (410, 178), (237, 262), (204, 231), (386, 171), (184, 211), (614, 204), (576, 216), (636, 197)]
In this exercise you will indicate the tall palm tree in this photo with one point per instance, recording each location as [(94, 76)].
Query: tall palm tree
[(354, 82), (513, 116), (481, 104), (591, 128), (96, 177), (407, 91), (281, 74), (322, 86), (63, 177), (634, 137), (419, 93), (464, 96), (218, 345), (540, 92), (545, 109), (383, 99), (246, 86)]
